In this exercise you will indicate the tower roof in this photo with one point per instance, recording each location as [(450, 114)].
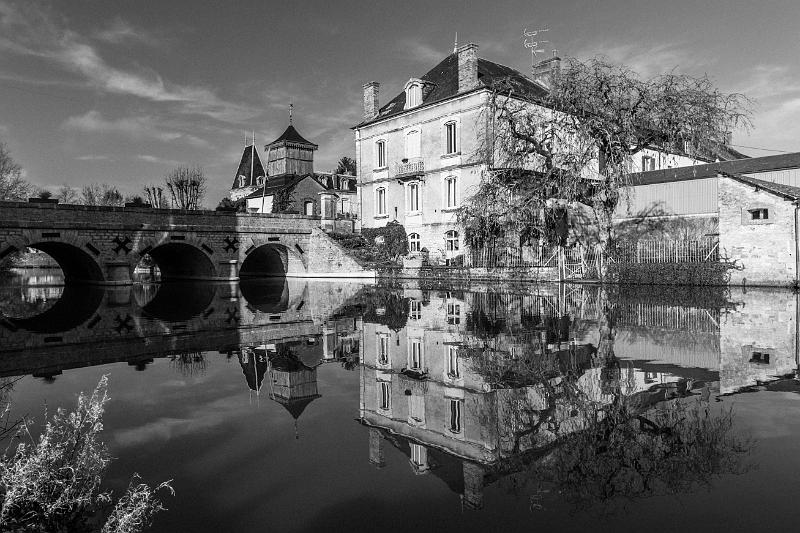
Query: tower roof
[(290, 135), (250, 162)]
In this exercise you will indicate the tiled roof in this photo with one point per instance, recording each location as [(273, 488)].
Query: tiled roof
[(250, 154), (786, 191), (444, 84), (737, 166), (326, 182), (291, 135)]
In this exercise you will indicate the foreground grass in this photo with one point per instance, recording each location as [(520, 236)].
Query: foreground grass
[(53, 483)]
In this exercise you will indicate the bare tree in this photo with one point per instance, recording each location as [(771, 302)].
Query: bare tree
[(155, 196), (67, 195), (12, 185), (575, 144), (187, 186), (101, 194)]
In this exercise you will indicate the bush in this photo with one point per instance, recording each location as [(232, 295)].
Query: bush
[(53, 483)]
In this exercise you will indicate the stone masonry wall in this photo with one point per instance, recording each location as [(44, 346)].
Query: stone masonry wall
[(764, 249)]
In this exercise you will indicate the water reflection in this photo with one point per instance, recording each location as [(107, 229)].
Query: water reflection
[(572, 393)]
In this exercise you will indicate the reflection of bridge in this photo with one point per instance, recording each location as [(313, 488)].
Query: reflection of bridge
[(104, 244), (98, 326)]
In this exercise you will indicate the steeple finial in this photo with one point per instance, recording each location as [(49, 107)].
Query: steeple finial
[(455, 44), (291, 106)]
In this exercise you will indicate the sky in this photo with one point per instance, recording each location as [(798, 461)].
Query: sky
[(121, 92)]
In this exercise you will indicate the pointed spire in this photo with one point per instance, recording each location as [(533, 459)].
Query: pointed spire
[(455, 44), (291, 106)]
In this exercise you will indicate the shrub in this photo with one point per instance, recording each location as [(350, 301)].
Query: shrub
[(710, 273), (53, 483)]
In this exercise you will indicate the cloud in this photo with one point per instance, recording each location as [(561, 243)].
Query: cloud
[(159, 160), (31, 31), (93, 157), (134, 127), (122, 32), (647, 61)]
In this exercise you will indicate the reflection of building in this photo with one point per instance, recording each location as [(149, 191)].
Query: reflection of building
[(457, 388)]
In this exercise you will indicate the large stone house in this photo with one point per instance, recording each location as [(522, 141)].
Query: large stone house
[(422, 154), (290, 184)]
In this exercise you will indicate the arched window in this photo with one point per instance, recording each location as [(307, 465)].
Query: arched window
[(451, 241), (413, 242), (413, 197), (412, 144), (380, 201), (413, 95), (450, 140), (380, 154), (451, 191), (308, 207), (242, 180)]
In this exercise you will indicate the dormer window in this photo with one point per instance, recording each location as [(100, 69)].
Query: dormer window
[(242, 181), (413, 93)]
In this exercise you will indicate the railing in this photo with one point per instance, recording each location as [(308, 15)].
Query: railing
[(689, 251), (508, 257), (412, 168)]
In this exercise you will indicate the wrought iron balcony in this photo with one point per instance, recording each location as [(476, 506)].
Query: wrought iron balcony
[(410, 169)]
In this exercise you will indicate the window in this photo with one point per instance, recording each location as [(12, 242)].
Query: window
[(413, 95), (759, 214), (345, 205), (648, 163), (415, 355), (380, 201), (412, 144), (415, 310), (380, 154), (413, 242), (416, 407), (451, 191), (451, 241), (308, 207), (419, 454), (413, 197), (756, 214), (260, 180), (384, 395), (760, 357), (455, 416), (450, 138), (453, 370), (383, 349), (453, 314), (242, 181)]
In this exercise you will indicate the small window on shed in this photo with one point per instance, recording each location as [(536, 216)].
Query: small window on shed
[(759, 214)]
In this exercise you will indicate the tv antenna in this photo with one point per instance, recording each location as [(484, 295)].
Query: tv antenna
[(532, 40)]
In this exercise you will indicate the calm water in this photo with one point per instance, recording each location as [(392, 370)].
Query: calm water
[(309, 406)]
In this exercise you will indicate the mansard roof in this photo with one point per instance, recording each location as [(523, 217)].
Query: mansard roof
[(291, 135), (250, 160), (443, 82)]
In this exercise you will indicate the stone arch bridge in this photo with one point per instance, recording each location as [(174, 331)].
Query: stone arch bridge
[(103, 245)]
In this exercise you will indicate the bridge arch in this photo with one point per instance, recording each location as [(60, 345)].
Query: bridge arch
[(74, 307), (77, 264), (271, 259), (177, 302), (181, 261)]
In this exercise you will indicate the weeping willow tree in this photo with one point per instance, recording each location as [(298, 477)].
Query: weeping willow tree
[(573, 145)]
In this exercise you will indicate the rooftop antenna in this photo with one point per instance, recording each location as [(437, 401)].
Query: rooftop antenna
[(531, 40), (455, 44)]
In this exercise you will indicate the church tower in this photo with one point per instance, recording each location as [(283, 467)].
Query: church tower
[(290, 154)]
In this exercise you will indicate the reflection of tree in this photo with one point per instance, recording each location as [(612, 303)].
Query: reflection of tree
[(188, 362), (378, 306)]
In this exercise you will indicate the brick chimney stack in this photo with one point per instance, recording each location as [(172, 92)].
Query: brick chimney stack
[(467, 67), (544, 71), (371, 106)]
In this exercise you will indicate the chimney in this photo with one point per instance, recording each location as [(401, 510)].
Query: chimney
[(371, 100), (467, 67), (544, 71)]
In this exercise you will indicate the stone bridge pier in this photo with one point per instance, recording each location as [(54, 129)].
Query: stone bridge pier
[(103, 245)]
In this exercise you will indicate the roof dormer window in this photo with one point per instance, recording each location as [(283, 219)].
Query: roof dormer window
[(413, 93)]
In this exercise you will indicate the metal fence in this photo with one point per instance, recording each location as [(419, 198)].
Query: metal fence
[(683, 251), (508, 257)]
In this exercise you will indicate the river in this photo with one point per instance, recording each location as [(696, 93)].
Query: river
[(295, 405)]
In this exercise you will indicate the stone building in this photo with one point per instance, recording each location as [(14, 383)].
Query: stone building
[(290, 184)]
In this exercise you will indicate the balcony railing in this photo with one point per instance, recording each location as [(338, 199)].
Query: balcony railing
[(411, 168)]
